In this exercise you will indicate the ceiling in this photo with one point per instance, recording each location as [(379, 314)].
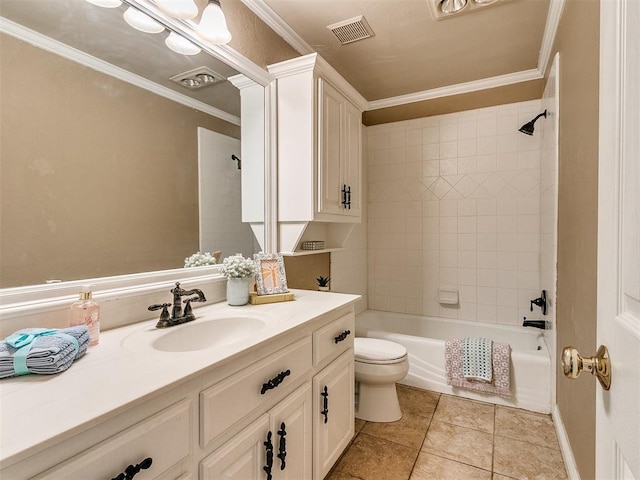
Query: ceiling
[(411, 52)]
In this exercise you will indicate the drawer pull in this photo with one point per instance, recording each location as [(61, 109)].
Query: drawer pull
[(342, 336), (325, 404), (132, 470), (269, 451), (282, 450), (274, 382)]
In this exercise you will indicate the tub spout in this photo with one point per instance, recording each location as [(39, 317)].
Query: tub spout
[(541, 324)]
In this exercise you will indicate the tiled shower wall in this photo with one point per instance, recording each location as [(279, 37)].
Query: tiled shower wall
[(454, 202)]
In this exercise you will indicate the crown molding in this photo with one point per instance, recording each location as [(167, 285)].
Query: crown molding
[(264, 12), (556, 8), (314, 62), (58, 48), (278, 25), (460, 88)]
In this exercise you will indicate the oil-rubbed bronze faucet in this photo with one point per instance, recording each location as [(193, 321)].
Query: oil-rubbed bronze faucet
[(177, 315)]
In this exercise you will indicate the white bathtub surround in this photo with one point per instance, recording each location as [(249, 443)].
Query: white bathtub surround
[(424, 338), (454, 202)]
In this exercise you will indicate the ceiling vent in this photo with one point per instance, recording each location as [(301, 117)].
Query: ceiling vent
[(351, 30), (198, 78)]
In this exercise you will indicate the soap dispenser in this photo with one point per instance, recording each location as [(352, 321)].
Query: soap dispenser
[(86, 312)]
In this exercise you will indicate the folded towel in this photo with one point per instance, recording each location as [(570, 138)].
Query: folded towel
[(476, 359), (42, 351), (501, 357)]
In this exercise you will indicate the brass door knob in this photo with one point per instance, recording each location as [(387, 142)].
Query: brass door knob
[(573, 364)]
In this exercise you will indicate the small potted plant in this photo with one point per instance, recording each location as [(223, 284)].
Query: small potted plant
[(323, 283), (200, 259), (237, 269)]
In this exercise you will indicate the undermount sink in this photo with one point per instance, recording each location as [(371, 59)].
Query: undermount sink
[(204, 334)]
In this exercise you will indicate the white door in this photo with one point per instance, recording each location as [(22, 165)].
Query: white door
[(618, 410)]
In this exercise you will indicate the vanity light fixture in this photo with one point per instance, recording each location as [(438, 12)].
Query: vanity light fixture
[(106, 3), (213, 25), (179, 44), (141, 21), (451, 6), (183, 9)]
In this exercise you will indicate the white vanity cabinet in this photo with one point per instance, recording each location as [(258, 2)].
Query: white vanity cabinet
[(262, 406), (319, 153)]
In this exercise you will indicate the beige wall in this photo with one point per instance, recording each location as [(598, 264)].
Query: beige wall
[(302, 271), (518, 92), (578, 43)]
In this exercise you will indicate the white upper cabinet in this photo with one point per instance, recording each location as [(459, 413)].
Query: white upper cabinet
[(319, 153), (339, 153)]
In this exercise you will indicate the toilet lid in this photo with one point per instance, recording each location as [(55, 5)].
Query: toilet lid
[(374, 349)]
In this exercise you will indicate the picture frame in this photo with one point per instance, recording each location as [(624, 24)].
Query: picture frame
[(270, 274)]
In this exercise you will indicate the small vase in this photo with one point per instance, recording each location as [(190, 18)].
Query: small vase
[(323, 289), (238, 291)]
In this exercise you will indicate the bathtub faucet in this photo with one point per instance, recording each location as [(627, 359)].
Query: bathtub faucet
[(541, 324)]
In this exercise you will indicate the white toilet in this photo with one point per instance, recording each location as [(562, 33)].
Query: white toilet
[(379, 364)]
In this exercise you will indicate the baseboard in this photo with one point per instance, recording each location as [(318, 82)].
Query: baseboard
[(565, 446)]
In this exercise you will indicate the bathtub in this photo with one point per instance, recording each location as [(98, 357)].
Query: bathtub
[(424, 337)]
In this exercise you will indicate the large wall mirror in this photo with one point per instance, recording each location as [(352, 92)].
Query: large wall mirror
[(100, 171)]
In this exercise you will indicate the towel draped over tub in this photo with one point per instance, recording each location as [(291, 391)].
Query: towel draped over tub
[(455, 373)]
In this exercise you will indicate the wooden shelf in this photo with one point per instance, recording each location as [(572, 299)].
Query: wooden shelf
[(309, 252)]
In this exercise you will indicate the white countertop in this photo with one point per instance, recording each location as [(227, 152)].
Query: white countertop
[(34, 409)]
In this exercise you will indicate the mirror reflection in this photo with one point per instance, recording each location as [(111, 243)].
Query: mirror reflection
[(99, 176)]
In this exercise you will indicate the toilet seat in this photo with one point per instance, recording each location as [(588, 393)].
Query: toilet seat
[(378, 352)]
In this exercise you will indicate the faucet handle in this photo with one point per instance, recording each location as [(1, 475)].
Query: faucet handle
[(165, 319), (159, 306)]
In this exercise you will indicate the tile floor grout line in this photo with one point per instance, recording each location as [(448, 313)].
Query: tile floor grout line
[(425, 437)]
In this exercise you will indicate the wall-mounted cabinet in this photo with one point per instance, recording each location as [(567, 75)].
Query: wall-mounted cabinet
[(319, 153)]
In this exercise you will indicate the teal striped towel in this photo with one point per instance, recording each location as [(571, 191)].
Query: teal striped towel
[(476, 359)]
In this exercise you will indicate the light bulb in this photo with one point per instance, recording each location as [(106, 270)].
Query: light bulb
[(179, 44), (213, 26), (452, 6), (106, 3), (141, 21), (179, 8)]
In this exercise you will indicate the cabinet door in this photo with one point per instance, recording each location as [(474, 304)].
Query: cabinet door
[(241, 458), (333, 413), (291, 427), (330, 196), (352, 159)]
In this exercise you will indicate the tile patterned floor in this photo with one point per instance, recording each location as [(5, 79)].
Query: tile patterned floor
[(446, 437)]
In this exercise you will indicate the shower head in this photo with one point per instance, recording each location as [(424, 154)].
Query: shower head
[(527, 128)]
